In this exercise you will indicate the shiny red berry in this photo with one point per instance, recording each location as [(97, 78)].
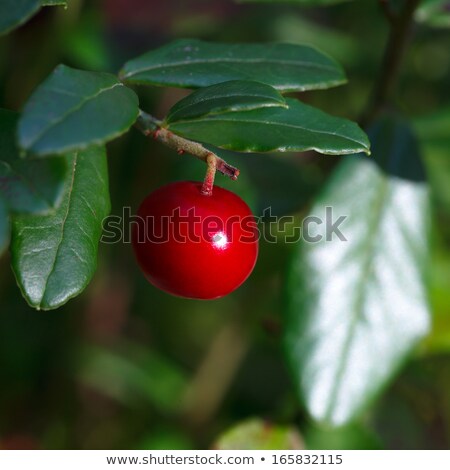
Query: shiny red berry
[(195, 245)]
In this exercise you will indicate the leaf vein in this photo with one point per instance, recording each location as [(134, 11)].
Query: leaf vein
[(70, 111)]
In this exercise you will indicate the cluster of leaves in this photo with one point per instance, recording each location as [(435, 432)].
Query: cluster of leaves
[(345, 335), (70, 117)]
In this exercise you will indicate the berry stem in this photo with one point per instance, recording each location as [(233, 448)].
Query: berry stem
[(152, 127), (208, 183)]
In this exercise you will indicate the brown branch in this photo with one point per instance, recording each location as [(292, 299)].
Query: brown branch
[(150, 126), (399, 36), (385, 6)]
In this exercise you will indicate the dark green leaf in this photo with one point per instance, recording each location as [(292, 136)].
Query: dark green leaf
[(13, 13), (4, 226), (33, 186), (434, 13), (55, 256), (298, 128), (195, 64), (257, 434), (27, 185), (237, 95), (74, 109), (356, 308)]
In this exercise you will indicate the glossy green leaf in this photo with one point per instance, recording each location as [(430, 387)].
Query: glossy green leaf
[(356, 307), (74, 109), (236, 95), (435, 13), (4, 226), (257, 434), (13, 13), (194, 64), (298, 128), (27, 185), (54, 256)]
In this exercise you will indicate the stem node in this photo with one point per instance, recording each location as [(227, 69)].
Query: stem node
[(150, 126)]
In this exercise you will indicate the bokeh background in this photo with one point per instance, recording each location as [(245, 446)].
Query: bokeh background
[(127, 366)]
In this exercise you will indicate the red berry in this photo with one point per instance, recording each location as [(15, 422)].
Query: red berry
[(193, 245)]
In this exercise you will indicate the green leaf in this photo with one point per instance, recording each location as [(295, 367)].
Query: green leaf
[(13, 13), (54, 3), (257, 434), (74, 109), (194, 64), (435, 13), (27, 185), (349, 437), (33, 186), (356, 308), (298, 128), (4, 226), (54, 256), (236, 95)]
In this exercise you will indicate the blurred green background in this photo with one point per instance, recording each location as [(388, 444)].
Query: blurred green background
[(127, 366)]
